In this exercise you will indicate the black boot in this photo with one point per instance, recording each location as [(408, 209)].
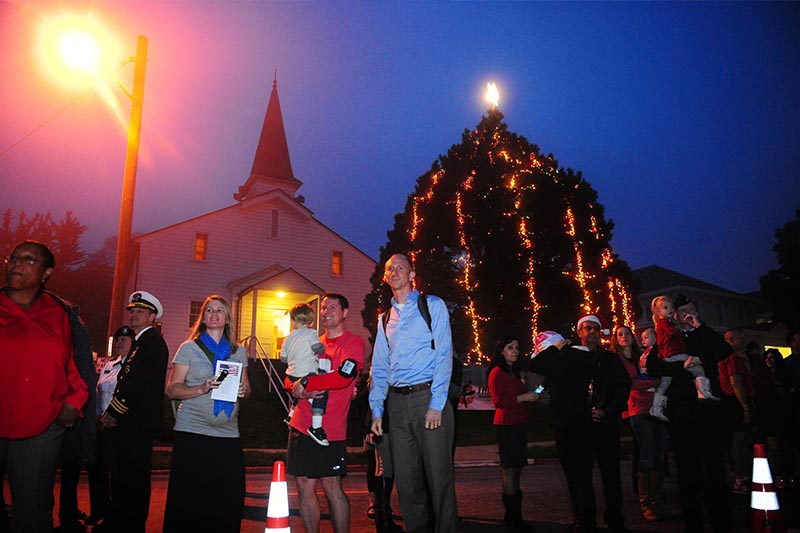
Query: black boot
[(508, 502), (384, 523), (513, 516)]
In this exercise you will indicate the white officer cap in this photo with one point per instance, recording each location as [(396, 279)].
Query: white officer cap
[(147, 301)]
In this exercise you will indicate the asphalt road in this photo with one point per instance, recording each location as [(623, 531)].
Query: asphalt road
[(480, 509)]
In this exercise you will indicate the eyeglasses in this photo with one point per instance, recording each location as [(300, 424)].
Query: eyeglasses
[(27, 259)]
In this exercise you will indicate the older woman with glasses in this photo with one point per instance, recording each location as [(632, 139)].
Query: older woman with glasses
[(206, 482), (42, 392)]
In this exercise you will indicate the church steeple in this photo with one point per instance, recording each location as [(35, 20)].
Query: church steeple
[(272, 168)]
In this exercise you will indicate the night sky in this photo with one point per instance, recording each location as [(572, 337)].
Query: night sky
[(683, 116)]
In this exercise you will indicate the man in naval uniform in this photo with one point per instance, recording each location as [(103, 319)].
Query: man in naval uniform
[(134, 417)]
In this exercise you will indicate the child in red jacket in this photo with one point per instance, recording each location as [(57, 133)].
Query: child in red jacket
[(672, 347)]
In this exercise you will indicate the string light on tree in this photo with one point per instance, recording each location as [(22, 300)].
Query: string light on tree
[(509, 239)]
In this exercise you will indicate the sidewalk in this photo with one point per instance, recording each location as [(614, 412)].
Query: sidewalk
[(465, 457)]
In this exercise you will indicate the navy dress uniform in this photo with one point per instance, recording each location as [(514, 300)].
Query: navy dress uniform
[(138, 408)]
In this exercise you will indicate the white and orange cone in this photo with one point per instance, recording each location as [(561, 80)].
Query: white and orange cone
[(278, 504), (766, 512)]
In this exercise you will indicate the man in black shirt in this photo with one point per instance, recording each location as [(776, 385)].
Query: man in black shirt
[(609, 399), (570, 372)]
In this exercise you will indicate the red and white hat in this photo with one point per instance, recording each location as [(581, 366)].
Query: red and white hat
[(589, 318), (545, 340)]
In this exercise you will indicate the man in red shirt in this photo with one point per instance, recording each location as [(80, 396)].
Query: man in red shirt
[(736, 382), (307, 460), (41, 390)]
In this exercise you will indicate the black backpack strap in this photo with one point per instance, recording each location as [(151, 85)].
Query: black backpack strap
[(384, 319), (422, 305)]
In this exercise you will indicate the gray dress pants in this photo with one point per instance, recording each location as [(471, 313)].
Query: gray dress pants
[(423, 462)]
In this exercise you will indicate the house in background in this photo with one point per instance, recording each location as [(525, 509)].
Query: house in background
[(720, 308), (264, 254)]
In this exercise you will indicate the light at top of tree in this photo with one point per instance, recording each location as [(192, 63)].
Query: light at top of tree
[(492, 94)]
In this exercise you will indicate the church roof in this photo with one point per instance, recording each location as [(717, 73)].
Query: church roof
[(272, 166)]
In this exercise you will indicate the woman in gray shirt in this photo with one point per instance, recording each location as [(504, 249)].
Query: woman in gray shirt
[(206, 482)]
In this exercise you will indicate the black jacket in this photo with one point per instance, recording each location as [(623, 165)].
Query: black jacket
[(569, 372), (612, 384), (80, 441), (138, 402)]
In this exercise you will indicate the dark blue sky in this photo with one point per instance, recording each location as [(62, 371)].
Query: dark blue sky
[(684, 116)]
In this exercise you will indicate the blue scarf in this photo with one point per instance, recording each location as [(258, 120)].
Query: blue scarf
[(222, 352)]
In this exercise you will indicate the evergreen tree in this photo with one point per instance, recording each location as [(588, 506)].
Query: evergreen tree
[(781, 287), (512, 243)]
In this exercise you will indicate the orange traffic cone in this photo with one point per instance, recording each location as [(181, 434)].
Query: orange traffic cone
[(766, 512), (278, 504)]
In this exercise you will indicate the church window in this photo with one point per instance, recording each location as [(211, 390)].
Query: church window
[(200, 246), (336, 263), (195, 306), (273, 230)]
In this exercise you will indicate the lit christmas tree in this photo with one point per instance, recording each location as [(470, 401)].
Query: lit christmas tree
[(513, 243)]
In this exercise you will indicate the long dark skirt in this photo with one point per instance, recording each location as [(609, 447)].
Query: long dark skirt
[(512, 443), (206, 484)]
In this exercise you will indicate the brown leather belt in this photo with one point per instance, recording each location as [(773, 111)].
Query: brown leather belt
[(408, 389)]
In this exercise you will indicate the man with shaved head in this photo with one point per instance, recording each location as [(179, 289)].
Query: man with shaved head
[(411, 366)]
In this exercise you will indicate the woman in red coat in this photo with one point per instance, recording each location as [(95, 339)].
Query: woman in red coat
[(509, 396)]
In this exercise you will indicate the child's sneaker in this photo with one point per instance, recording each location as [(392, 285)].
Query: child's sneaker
[(318, 434)]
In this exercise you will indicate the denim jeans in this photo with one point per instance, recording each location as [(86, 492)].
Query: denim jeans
[(651, 437)]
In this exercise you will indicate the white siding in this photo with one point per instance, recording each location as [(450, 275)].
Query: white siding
[(239, 246)]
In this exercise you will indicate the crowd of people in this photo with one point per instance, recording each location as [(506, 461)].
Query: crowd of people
[(680, 386)]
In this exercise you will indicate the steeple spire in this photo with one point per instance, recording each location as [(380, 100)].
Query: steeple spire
[(272, 168)]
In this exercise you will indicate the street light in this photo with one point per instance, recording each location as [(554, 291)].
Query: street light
[(128, 188), (79, 42)]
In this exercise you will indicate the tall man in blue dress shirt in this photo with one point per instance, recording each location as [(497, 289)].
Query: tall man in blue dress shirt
[(411, 367)]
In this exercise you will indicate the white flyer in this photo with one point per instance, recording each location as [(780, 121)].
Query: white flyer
[(228, 390)]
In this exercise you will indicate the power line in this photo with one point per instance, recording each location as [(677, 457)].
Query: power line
[(60, 111)]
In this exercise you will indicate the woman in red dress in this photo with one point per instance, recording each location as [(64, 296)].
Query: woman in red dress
[(509, 395)]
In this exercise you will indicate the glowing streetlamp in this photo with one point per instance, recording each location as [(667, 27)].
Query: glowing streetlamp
[(79, 51), (79, 43)]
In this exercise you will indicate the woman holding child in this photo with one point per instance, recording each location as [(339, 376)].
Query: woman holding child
[(623, 344), (650, 434), (206, 482)]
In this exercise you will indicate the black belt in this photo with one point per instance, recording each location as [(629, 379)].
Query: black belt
[(408, 389)]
